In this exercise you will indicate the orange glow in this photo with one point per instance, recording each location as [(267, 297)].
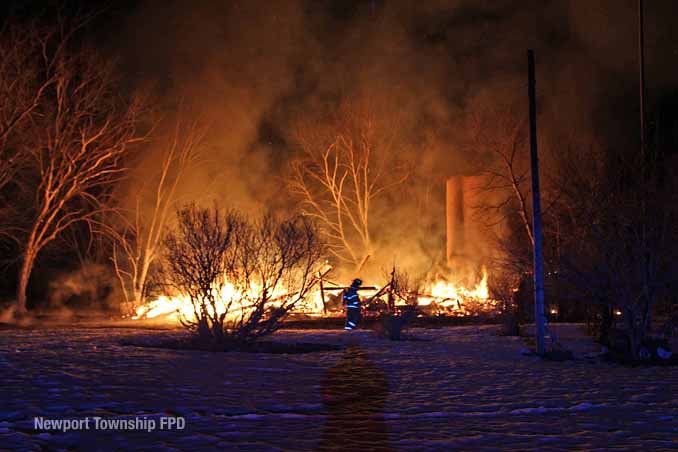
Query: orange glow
[(441, 297)]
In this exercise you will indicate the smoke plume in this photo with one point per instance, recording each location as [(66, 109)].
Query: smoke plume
[(256, 69)]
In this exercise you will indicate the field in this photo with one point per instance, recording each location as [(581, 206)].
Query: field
[(455, 388)]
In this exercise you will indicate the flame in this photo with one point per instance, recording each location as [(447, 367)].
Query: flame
[(441, 297), (236, 303), (450, 290), (448, 297)]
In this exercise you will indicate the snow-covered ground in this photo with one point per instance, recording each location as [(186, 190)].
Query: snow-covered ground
[(461, 388)]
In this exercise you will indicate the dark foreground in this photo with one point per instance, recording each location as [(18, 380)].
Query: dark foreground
[(464, 388)]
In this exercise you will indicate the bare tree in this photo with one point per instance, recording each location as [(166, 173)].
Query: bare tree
[(137, 244), (27, 58), (499, 138), (21, 86), (84, 134), (621, 256), (344, 167), (242, 278), (499, 141)]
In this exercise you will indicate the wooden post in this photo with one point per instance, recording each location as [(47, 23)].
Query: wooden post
[(391, 301), (321, 277), (538, 266), (362, 264), (322, 296)]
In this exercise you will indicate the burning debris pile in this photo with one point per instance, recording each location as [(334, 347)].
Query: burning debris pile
[(448, 298), (442, 297), (458, 288)]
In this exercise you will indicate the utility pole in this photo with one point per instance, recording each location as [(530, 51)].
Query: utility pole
[(538, 261), (647, 168), (641, 70)]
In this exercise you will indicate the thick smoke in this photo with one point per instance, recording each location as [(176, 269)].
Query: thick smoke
[(258, 68)]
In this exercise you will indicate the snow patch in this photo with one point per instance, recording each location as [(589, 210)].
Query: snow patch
[(584, 406), (536, 410), (272, 415), (434, 414), (480, 413)]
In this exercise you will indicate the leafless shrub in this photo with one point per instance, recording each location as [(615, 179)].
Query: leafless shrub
[(242, 277), (196, 264), (503, 288), (392, 325)]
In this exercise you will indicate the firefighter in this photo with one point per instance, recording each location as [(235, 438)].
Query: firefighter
[(352, 302)]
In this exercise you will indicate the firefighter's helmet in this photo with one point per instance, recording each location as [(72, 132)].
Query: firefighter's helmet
[(357, 282)]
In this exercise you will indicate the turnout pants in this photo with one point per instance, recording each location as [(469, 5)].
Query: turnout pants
[(353, 317)]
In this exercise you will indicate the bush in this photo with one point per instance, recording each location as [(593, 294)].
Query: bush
[(509, 293), (241, 277), (392, 325)]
